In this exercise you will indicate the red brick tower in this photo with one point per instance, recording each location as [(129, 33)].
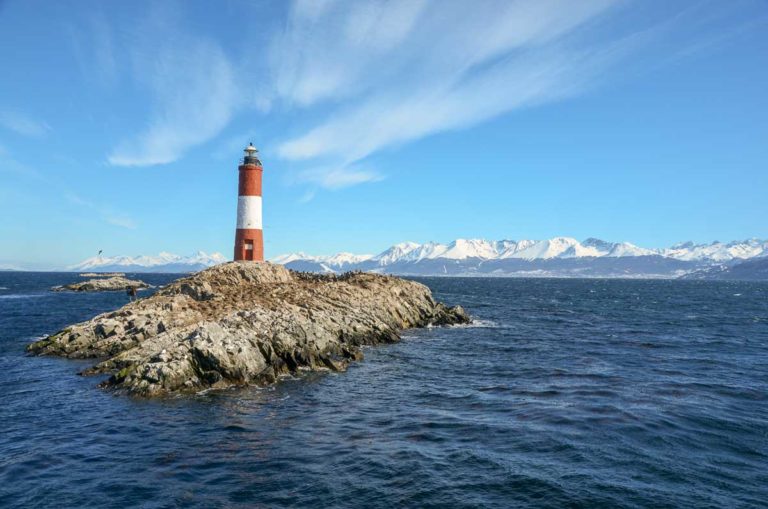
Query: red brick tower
[(249, 238)]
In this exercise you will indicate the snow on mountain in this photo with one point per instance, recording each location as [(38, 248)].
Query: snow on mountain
[(718, 251), (476, 255), (508, 248), (561, 248), (621, 249), (558, 247), (341, 259), (292, 257), (144, 263), (600, 245), (504, 248), (395, 253), (461, 249), (617, 249)]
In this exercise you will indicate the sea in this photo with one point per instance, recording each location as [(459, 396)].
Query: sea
[(562, 393)]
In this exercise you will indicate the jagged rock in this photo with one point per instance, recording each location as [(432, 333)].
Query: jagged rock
[(246, 323), (102, 285), (197, 290), (451, 316)]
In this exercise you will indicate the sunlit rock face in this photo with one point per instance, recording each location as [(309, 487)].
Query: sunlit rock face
[(245, 323), (109, 284)]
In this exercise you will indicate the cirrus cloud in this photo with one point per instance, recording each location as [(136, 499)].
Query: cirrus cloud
[(195, 94), (447, 66), (22, 124)]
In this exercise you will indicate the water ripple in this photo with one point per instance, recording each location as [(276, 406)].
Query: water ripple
[(563, 393)]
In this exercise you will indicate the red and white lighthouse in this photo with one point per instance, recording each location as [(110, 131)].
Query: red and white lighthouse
[(249, 238)]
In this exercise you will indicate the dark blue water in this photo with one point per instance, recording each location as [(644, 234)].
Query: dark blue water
[(566, 393)]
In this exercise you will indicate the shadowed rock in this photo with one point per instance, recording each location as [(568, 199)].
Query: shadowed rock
[(246, 323)]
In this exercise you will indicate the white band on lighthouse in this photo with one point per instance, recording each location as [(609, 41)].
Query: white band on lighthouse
[(249, 212)]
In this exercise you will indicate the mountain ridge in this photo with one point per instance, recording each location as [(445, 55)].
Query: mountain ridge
[(162, 262), (556, 247), (555, 257)]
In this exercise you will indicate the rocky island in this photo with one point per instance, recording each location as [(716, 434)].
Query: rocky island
[(245, 323), (102, 285)]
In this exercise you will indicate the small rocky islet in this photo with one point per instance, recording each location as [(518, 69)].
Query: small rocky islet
[(243, 323), (109, 284)]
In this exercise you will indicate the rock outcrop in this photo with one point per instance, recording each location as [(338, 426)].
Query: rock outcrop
[(245, 323), (102, 285)]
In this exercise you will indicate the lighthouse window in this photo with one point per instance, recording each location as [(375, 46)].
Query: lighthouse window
[(249, 245)]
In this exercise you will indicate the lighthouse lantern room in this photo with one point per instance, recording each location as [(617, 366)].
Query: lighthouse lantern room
[(249, 237)]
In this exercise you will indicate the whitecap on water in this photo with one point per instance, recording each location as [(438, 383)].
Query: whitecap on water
[(22, 296), (478, 324)]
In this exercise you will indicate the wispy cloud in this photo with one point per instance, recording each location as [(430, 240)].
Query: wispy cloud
[(77, 200), (369, 75), (122, 221), (9, 164), (393, 70), (379, 122), (94, 46), (194, 92), (329, 48), (409, 69), (105, 213), (338, 177), (308, 196), (22, 124)]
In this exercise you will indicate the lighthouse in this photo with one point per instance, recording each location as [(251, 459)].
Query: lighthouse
[(249, 238)]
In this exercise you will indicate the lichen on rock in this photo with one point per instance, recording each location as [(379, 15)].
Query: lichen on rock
[(246, 323)]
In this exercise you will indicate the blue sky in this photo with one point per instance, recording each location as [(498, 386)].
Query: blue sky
[(121, 123)]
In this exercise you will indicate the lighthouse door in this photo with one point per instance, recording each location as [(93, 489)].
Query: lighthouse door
[(249, 250)]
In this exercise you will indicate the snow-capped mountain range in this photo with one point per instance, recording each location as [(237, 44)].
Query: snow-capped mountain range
[(556, 257), (462, 249), (162, 262), (559, 256)]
